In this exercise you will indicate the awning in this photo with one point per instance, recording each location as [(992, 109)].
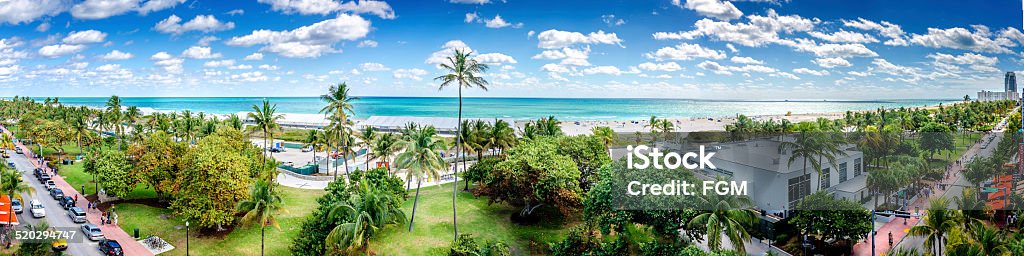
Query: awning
[(7, 216)]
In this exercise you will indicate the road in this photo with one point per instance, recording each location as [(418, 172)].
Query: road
[(56, 216)]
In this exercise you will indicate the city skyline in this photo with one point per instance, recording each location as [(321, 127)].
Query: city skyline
[(699, 49)]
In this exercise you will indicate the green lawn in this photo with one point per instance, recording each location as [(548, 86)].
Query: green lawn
[(433, 229), (242, 241), (77, 178)]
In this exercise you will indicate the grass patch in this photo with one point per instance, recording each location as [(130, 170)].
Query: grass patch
[(433, 231), (77, 178), (242, 241)]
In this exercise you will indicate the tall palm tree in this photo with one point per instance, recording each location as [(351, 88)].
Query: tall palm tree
[(115, 116), (803, 147), (384, 146), (12, 186), (606, 135), (312, 141), (260, 208), (468, 142), (339, 104), (367, 136), (725, 214), (80, 128), (463, 71), (420, 160), (938, 221), (265, 116)]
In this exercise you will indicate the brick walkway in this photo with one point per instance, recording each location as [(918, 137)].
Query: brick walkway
[(896, 226), (110, 231)]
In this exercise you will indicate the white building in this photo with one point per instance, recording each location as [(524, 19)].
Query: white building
[(775, 185), (994, 96)]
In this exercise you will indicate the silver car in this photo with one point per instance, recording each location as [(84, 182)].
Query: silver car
[(37, 209), (76, 214), (92, 232), (16, 206)]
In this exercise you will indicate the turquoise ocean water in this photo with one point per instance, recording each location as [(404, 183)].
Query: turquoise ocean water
[(516, 108)]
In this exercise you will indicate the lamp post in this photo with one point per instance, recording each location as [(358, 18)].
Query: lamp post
[(186, 238)]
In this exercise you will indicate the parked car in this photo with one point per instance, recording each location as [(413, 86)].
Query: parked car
[(37, 172), (56, 194), (16, 206), (37, 209), (307, 149), (66, 202), (76, 214), (59, 245), (6, 155), (111, 248), (92, 232), (18, 150), (44, 177), (50, 185)]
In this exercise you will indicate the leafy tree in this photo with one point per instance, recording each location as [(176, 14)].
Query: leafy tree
[(480, 170), (158, 160), (215, 176), (831, 218), (115, 173), (42, 248), (584, 240), (587, 152), (364, 215), (316, 227), (534, 175), (728, 215), (935, 137)]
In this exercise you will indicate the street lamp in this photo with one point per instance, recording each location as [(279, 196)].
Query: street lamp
[(186, 238)]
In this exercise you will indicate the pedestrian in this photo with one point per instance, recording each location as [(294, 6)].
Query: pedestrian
[(76, 197), (890, 238)]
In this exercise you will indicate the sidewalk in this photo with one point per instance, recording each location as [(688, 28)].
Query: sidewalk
[(896, 226), (110, 231)]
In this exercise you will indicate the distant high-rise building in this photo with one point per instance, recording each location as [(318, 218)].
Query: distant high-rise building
[(1010, 82)]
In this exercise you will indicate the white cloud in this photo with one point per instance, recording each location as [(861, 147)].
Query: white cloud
[(551, 39), (833, 50), (685, 51), (101, 9), (714, 67), (892, 31), (414, 74), (732, 48), (884, 66), (43, 26), (268, 67), (200, 52), (447, 50), (254, 56), (156, 5), (552, 67), (832, 62), (367, 43), (745, 60), (108, 67), (219, 63), (722, 10), (786, 75), (808, 71), (666, 66), (116, 55), (235, 12), (843, 36), (498, 22), (607, 70), (203, 23), (963, 39), (569, 56), (495, 58), (169, 63), (240, 67), (53, 51), (15, 12), (612, 21), (471, 17), (323, 7), (255, 76), (759, 31), (373, 66), (307, 41), (85, 37), (964, 59), (728, 70)]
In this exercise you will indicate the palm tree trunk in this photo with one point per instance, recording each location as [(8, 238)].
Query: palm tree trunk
[(415, 201), (458, 150), (263, 231)]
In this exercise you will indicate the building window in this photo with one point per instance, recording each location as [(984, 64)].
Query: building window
[(799, 187), (825, 178), (842, 172), (856, 168)]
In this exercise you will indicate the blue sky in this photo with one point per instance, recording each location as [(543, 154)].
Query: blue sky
[(707, 49)]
